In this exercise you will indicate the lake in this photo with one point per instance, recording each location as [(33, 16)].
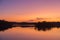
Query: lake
[(29, 33)]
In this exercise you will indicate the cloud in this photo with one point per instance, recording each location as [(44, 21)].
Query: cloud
[(40, 18), (37, 19)]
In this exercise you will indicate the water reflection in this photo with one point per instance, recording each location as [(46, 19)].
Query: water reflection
[(20, 30), (18, 33), (4, 25)]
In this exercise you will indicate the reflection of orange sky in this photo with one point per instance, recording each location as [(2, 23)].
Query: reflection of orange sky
[(31, 33)]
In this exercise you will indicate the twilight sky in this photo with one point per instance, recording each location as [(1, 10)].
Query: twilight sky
[(30, 10)]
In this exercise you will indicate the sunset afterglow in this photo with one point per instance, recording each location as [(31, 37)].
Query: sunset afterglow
[(25, 10)]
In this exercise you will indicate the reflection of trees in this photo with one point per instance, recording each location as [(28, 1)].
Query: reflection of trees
[(47, 25), (4, 25)]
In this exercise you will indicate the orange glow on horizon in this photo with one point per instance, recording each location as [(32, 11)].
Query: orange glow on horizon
[(24, 11)]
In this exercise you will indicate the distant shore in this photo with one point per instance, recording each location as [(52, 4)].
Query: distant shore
[(38, 25)]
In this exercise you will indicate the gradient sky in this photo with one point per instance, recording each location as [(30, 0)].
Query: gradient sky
[(30, 10)]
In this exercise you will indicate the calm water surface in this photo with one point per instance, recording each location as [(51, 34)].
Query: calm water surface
[(29, 34)]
